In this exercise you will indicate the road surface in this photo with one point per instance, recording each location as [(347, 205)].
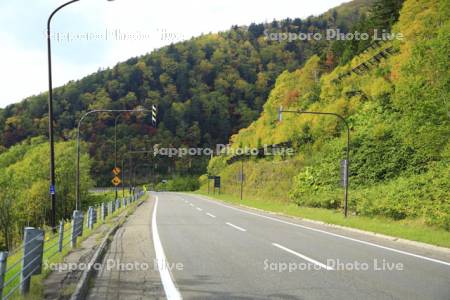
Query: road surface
[(206, 249), (231, 253)]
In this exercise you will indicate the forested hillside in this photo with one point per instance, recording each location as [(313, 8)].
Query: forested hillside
[(397, 109), (206, 88), (24, 199)]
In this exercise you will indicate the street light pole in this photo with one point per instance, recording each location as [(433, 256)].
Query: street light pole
[(242, 178), (50, 118), (115, 146), (123, 178), (77, 191), (347, 155)]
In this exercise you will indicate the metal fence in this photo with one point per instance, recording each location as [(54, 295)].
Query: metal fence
[(18, 266)]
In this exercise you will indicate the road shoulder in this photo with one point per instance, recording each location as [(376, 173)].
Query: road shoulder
[(128, 268)]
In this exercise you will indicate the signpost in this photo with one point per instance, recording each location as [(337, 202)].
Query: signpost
[(116, 171), (116, 181), (216, 183), (52, 189)]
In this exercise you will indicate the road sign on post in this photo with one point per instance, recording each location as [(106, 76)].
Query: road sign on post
[(116, 181), (52, 189), (216, 183), (116, 171)]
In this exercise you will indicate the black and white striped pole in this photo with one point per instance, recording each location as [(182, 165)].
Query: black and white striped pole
[(154, 115)]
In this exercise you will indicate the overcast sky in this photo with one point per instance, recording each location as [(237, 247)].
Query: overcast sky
[(23, 56)]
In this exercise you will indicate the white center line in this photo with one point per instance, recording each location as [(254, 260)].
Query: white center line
[(211, 215), (199, 209), (303, 256), (191, 204), (237, 227)]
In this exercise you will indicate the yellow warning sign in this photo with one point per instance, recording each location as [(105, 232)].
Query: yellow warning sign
[(116, 171), (116, 181)]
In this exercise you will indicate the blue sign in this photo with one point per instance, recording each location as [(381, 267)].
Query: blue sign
[(52, 189)]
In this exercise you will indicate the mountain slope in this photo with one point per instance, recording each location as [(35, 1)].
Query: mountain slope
[(397, 110), (206, 88)]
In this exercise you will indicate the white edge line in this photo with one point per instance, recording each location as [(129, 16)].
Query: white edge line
[(170, 289), (237, 227), (303, 256), (334, 234), (211, 215)]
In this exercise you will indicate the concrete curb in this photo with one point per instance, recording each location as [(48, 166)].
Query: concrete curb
[(82, 287), (421, 245)]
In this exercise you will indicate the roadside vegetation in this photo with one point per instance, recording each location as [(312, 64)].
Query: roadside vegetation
[(49, 258), (400, 146), (24, 186), (179, 183)]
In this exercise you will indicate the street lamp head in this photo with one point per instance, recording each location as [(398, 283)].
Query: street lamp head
[(280, 114)]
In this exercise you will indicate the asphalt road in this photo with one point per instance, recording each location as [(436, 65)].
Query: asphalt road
[(226, 252)]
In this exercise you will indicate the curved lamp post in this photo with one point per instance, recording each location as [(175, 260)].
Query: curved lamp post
[(347, 160), (77, 192), (115, 146), (50, 116)]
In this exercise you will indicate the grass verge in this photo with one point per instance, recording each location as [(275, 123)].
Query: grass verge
[(37, 281), (414, 230)]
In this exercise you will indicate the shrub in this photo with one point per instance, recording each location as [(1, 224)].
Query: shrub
[(179, 184)]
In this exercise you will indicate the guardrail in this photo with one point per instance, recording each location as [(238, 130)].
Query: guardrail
[(39, 246)]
